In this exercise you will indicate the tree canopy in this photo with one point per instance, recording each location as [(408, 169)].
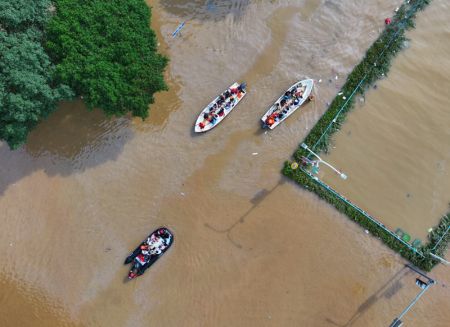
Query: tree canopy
[(107, 53), (28, 92)]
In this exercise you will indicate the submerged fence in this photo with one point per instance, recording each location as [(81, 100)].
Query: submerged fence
[(374, 66), (361, 211)]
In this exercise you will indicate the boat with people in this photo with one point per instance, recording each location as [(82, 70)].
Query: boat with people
[(150, 250), (220, 107), (288, 103)]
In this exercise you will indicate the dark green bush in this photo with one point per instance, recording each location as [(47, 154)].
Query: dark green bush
[(28, 91), (106, 51)]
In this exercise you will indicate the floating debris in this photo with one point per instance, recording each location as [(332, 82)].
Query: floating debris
[(254, 153), (320, 81), (178, 29)]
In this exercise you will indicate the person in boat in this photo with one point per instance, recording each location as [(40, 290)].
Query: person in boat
[(298, 93), (154, 238), (144, 248), (221, 112), (272, 118), (157, 248), (142, 259), (242, 87), (133, 273), (277, 107), (227, 94), (155, 243), (163, 233), (270, 121), (155, 251), (145, 255)]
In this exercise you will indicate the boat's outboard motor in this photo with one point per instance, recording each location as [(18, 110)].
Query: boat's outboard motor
[(135, 270)]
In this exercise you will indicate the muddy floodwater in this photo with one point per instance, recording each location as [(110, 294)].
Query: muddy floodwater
[(251, 248), (396, 144)]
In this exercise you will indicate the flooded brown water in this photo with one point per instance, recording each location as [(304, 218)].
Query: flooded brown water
[(395, 146), (251, 248)]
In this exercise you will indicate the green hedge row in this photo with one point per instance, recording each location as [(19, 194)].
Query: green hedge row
[(425, 262), (375, 65)]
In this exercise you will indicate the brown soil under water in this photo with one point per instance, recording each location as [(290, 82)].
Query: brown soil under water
[(395, 146), (251, 248)]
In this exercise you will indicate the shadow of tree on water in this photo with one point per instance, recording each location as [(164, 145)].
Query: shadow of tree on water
[(71, 140)]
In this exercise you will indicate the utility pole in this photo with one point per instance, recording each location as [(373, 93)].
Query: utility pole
[(423, 285), (341, 174)]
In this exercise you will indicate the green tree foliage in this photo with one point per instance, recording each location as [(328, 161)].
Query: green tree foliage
[(106, 51), (27, 90)]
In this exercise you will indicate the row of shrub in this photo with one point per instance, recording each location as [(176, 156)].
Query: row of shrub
[(103, 51), (374, 65), (439, 238)]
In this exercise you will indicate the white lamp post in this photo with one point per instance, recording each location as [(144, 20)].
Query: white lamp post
[(341, 174)]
